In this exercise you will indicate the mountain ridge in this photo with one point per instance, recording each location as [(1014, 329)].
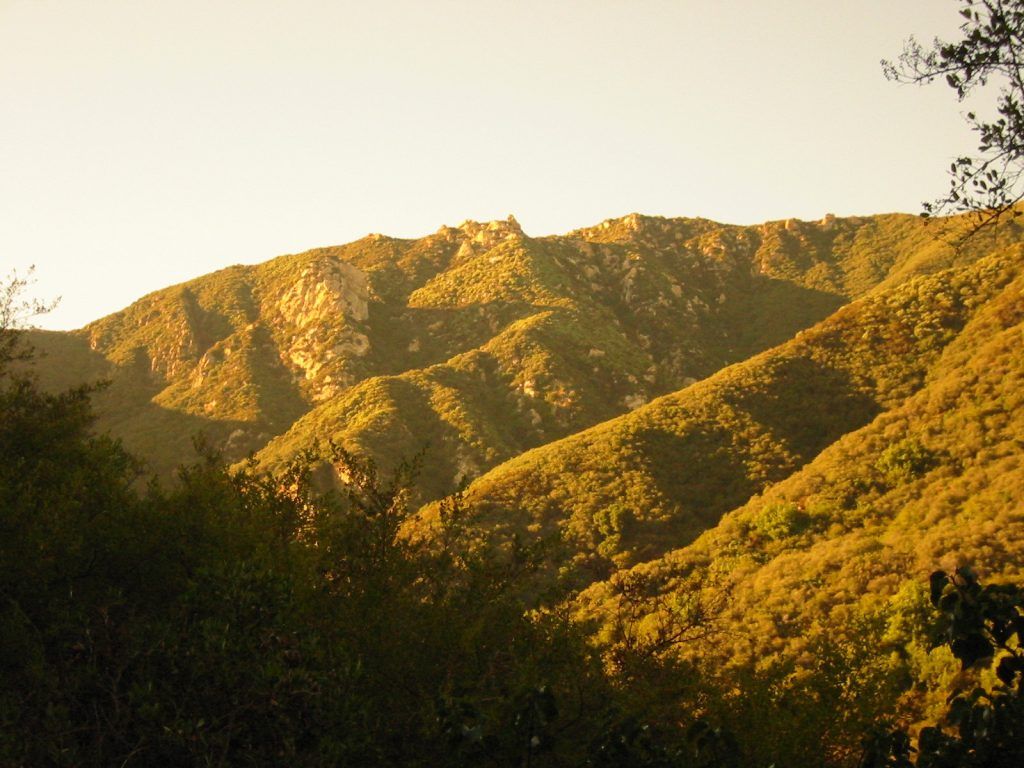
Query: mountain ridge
[(723, 459), (479, 323)]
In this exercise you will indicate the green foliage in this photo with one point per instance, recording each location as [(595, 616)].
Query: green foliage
[(15, 312), (904, 461), (611, 524), (988, 52), (984, 627), (781, 520), (240, 618)]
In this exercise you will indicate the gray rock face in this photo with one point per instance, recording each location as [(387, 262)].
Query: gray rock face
[(325, 289), (321, 308)]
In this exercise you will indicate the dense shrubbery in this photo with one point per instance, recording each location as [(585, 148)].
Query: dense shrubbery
[(680, 463), (236, 618), (984, 724)]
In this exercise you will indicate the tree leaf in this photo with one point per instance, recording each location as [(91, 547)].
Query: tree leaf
[(971, 649)]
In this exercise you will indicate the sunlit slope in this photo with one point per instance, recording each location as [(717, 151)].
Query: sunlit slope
[(627, 490), (238, 355), (477, 341), (593, 324), (934, 481), (579, 335)]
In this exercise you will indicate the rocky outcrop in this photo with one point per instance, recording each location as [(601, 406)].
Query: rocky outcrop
[(324, 312), (326, 289)]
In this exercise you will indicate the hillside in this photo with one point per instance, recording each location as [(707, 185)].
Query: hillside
[(714, 465), (627, 490), (476, 343), (816, 587), (932, 481)]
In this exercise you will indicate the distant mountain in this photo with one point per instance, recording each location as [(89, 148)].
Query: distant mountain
[(477, 342)]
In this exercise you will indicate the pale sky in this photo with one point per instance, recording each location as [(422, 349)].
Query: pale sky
[(143, 143)]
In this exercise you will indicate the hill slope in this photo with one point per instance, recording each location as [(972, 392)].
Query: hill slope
[(627, 490), (933, 481), (739, 449)]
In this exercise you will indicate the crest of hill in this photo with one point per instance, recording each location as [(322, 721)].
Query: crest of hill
[(477, 340)]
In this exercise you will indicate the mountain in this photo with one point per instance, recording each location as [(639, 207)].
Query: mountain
[(473, 344), (774, 525), (626, 490), (727, 456)]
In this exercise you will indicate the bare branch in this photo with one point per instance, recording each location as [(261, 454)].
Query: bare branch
[(16, 312)]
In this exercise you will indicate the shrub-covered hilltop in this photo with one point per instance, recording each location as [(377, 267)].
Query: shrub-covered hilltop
[(712, 469)]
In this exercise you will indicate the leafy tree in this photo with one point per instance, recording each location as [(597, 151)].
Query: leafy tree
[(989, 52), (905, 460), (983, 726)]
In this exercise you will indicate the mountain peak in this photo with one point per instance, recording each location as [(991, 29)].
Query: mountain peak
[(483, 233), (507, 226)]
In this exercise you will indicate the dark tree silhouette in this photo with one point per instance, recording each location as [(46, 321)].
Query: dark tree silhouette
[(989, 54)]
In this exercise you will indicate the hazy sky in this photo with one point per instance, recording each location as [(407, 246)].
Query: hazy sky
[(144, 143)]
